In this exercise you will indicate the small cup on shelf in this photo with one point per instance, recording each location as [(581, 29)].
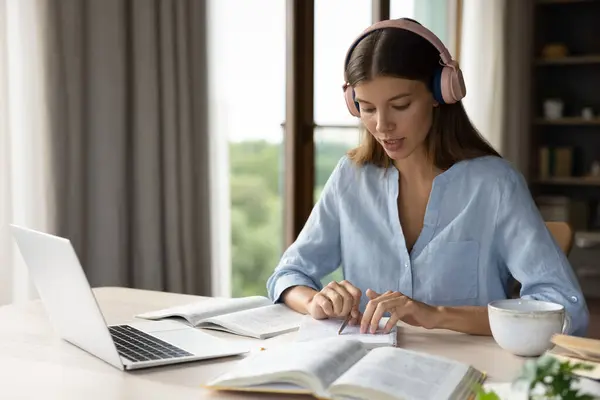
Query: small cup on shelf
[(587, 113), (553, 108)]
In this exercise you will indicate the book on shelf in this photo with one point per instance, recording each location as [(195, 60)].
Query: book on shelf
[(344, 369), (253, 316), (556, 162)]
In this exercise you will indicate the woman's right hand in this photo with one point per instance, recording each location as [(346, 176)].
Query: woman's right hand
[(337, 299)]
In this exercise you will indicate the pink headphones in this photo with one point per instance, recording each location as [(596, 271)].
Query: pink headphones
[(448, 85)]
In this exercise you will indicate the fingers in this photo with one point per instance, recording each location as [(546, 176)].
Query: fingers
[(372, 295), (324, 303), (376, 308), (344, 297), (354, 321), (394, 318), (369, 311), (385, 305), (340, 298), (348, 292), (336, 300), (355, 293)]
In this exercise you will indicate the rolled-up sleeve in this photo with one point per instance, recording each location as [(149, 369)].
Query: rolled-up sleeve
[(316, 251), (532, 254)]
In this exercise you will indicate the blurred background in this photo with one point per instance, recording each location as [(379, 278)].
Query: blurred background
[(181, 144)]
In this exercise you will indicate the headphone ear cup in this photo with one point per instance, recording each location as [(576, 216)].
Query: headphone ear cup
[(452, 85), (458, 84), (350, 103)]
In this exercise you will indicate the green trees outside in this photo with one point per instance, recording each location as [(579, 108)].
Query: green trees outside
[(256, 179)]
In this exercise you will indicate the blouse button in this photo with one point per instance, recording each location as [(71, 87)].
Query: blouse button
[(574, 299)]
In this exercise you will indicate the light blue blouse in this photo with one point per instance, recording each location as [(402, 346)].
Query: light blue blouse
[(481, 225)]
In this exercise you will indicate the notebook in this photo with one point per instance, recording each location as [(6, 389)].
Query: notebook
[(253, 316), (585, 348), (312, 329), (341, 369), (578, 350)]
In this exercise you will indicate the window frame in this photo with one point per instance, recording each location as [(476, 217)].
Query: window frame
[(299, 125)]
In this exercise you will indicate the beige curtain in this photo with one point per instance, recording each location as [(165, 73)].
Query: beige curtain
[(26, 192), (482, 60), (127, 97), (495, 54)]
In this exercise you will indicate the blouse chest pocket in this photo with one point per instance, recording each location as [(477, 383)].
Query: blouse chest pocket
[(453, 272)]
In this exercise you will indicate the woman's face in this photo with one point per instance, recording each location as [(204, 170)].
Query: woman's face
[(397, 112)]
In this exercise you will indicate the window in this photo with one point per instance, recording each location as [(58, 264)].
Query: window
[(336, 130), (437, 15), (404, 8), (337, 23), (247, 100)]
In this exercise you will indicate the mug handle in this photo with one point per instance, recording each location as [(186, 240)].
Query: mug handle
[(566, 324)]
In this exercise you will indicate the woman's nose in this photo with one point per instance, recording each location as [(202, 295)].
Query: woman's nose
[(384, 124)]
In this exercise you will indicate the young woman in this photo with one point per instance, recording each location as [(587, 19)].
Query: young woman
[(427, 220)]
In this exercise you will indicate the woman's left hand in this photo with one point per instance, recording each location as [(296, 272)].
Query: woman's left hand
[(400, 307)]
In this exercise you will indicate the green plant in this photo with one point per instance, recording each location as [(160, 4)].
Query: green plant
[(483, 395), (546, 378)]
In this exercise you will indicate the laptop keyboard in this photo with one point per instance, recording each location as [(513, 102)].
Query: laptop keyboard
[(136, 345)]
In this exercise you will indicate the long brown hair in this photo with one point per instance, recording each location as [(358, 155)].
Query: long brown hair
[(404, 54)]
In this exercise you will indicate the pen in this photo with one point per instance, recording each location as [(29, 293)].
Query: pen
[(345, 323)]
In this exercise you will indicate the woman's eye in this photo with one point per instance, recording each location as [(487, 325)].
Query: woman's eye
[(402, 107), (367, 109)]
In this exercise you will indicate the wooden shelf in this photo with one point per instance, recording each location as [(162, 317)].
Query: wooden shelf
[(570, 181), (570, 60), (564, 64), (567, 121)]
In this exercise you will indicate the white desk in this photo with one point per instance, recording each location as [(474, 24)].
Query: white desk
[(35, 363)]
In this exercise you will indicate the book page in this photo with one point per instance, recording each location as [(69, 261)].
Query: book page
[(262, 323), (323, 360), (312, 329), (197, 311), (400, 373)]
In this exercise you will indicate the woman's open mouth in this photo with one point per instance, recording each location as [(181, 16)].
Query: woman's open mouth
[(393, 144)]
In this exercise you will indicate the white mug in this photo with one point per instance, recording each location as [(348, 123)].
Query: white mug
[(525, 327)]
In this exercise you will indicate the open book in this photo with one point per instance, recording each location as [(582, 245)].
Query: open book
[(312, 329), (344, 369), (253, 316)]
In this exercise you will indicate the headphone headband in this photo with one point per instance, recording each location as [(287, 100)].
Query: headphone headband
[(408, 25), (448, 85)]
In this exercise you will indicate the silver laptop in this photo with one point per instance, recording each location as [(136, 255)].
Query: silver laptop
[(72, 308)]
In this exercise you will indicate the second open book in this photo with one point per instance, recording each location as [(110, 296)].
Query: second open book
[(342, 369), (253, 316)]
